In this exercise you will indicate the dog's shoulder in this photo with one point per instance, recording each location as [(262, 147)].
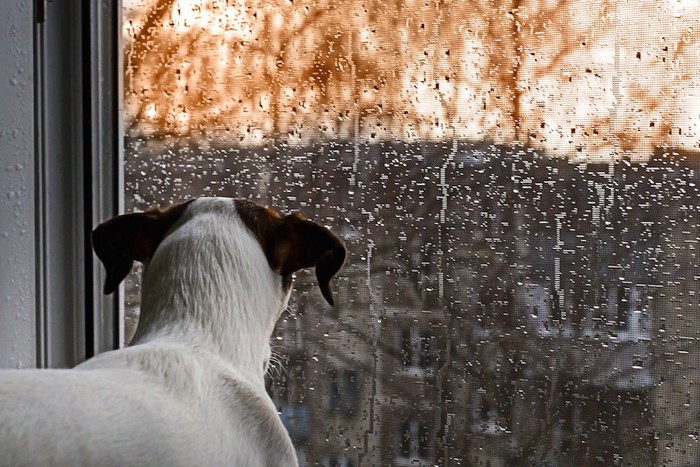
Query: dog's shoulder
[(241, 409), (183, 370), (251, 414), (100, 417)]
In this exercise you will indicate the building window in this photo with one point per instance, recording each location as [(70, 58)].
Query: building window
[(406, 348), (427, 350), (418, 350), (344, 392), (414, 440), (338, 461)]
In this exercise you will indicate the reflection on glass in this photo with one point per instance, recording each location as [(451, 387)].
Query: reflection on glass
[(517, 184)]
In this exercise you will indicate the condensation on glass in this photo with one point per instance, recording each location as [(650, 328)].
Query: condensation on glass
[(517, 184)]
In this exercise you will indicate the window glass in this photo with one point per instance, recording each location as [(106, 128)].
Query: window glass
[(517, 185)]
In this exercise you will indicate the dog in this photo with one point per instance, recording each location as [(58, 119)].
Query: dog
[(190, 388)]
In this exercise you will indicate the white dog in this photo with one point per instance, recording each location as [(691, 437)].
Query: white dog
[(190, 389)]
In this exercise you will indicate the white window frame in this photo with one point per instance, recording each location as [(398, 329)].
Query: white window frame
[(60, 89)]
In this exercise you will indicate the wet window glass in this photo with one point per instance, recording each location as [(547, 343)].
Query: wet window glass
[(517, 185)]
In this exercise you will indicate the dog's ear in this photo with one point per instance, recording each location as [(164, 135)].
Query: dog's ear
[(302, 243), (293, 242), (124, 239)]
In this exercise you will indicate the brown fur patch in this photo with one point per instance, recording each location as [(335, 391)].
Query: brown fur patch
[(124, 239), (293, 242)]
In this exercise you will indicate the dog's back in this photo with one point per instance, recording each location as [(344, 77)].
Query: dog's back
[(129, 408), (47, 418)]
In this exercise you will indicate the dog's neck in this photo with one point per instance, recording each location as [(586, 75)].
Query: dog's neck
[(209, 285)]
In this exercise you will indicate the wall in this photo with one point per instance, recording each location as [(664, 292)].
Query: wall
[(17, 225)]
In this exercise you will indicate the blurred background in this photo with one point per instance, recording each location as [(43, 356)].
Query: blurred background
[(516, 182)]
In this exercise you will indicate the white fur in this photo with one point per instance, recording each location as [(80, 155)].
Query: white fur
[(190, 390)]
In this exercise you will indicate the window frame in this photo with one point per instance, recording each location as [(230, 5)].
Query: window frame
[(104, 150), (87, 36), (71, 180)]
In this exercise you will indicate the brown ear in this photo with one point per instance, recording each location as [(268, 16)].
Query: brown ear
[(291, 243), (302, 243), (124, 239)]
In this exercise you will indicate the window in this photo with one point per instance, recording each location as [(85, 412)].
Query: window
[(343, 394), (415, 439), (418, 351), (516, 182), (338, 461), (289, 391), (59, 144), (426, 353)]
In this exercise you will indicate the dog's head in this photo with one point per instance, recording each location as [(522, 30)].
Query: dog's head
[(289, 243)]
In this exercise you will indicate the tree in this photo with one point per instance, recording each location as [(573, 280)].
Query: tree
[(534, 71)]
